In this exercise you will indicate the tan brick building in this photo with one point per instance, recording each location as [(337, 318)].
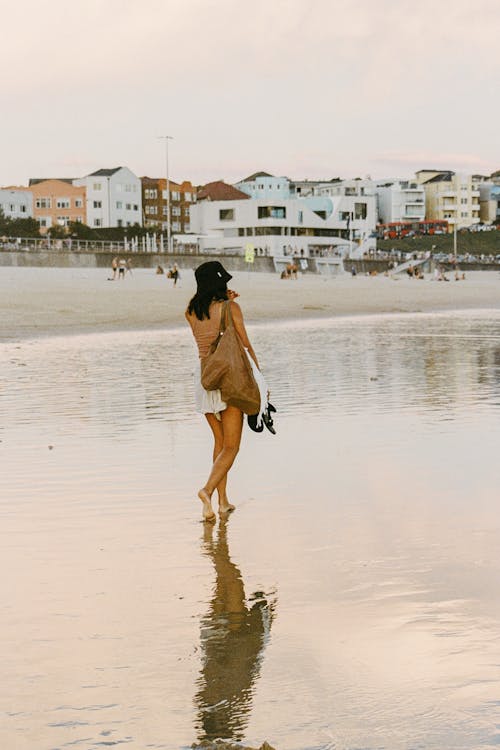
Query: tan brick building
[(154, 204), (57, 202)]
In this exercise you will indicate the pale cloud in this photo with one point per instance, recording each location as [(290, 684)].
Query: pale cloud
[(304, 88)]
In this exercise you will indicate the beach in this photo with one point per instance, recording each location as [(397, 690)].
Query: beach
[(350, 601), (38, 301)]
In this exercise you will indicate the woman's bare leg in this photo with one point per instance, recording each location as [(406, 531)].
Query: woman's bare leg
[(216, 426), (232, 424)]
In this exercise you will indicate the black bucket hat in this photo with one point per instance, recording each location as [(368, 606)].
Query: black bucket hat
[(211, 274)]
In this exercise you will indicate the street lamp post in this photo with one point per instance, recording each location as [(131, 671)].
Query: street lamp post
[(167, 138)]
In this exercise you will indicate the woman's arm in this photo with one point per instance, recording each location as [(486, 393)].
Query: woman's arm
[(240, 330)]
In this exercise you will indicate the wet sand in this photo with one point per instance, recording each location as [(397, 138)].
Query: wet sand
[(351, 601), (36, 302)]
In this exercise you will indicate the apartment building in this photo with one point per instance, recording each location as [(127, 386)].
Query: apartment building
[(16, 203), (265, 185), (399, 200), (57, 202), (113, 198), (155, 204), (489, 202), (451, 196)]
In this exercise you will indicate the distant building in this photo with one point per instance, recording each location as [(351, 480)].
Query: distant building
[(450, 196), (489, 202), (56, 202), (304, 188), (306, 227), (265, 185), (113, 198), (16, 203), (399, 200), (155, 204)]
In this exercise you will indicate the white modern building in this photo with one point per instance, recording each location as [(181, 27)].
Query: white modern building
[(16, 203), (399, 200), (319, 226), (265, 185), (113, 198)]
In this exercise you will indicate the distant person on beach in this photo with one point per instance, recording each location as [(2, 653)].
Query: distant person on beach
[(114, 269), (122, 267), (129, 266), (159, 270), (203, 315), (174, 274)]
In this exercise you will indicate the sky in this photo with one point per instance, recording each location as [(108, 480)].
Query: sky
[(304, 88)]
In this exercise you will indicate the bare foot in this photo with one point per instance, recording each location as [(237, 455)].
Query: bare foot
[(225, 506), (208, 511)]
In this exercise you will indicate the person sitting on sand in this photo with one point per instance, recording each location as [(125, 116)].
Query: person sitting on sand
[(203, 315), (159, 270)]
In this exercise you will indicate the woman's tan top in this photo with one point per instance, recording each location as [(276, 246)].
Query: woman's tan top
[(206, 331)]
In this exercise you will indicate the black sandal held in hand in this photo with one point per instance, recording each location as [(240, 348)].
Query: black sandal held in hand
[(266, 420)]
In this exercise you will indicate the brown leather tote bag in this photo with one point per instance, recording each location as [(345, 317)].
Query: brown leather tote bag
[(227, 367)]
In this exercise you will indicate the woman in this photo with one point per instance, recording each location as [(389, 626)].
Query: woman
[(203, 315)]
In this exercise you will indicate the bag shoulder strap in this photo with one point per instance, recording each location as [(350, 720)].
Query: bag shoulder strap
[(226, 318)]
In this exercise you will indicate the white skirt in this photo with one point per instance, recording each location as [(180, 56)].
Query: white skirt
[(210, 402)]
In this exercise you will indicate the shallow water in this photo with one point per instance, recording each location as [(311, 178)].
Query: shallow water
[(350, 602)]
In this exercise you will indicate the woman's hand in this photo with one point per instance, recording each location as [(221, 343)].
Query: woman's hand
[(231, 294)]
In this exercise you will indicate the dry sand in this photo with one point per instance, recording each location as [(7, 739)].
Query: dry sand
[(38, 302)]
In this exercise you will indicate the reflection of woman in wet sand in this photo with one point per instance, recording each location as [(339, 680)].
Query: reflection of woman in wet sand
[(234, 633), (203, 315)]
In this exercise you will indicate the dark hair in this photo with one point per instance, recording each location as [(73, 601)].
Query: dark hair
[(200, 303)]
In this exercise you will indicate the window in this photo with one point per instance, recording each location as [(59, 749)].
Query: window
[(360, 210), (97, 204), (97, 223), (344, 215), (63, 221), (119, 204), (271, 212), (165, 210), (464, 214), (151, 193), (176, 196), (44, 221), (226, 214), (176, 211), (62, 203), (96, 186), (22, 208), (136, 208), (176, 227), (300, 217), (187, 196), (78, 203), (128, 206), (12, 207), (463, 200), (43, 203), (119, 223), (186, 211), (128, 188)]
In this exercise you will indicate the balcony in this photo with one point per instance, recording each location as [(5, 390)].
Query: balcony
[(448, 194)]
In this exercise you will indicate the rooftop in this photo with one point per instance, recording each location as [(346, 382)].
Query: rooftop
[(220, 191), (104, 172), (256, 176)]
